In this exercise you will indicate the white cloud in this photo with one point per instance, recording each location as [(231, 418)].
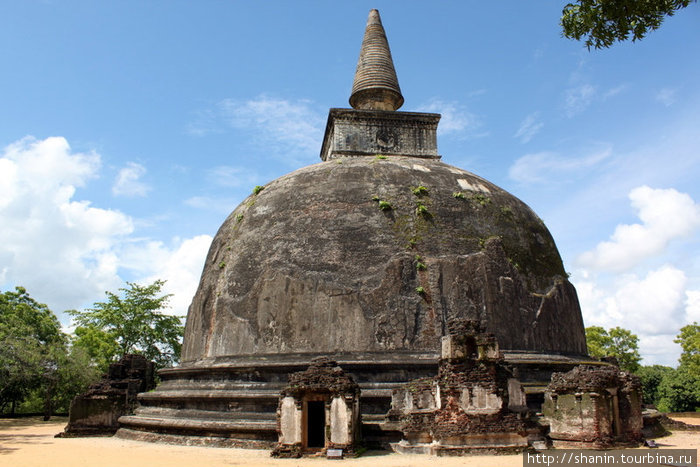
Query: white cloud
[(180, 266), (577, 99), (56, 247), (67, 252), (294, 124), (127, 182), (667, 96), (455, 118), (548, 166), (652, 307), (666, 214), (529, 127), (692, 306)]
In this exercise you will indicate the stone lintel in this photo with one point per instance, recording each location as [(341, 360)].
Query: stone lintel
[(352, 133)]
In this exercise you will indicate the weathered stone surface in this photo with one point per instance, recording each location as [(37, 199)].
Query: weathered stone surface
[(592, 406), (375, 133), (312, 264), (97, 411)]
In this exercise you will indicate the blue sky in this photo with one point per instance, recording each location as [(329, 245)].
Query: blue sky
[(130, 129)]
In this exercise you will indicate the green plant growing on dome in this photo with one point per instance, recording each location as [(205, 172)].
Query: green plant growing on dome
[(258, 189), (385, 206), (481, 199), (422, 209), (420, 190), (459, 195)]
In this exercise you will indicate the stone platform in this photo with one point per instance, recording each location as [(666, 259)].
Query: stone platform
[(233, 401)]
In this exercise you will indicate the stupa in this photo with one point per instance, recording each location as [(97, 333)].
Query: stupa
[(366, 258)]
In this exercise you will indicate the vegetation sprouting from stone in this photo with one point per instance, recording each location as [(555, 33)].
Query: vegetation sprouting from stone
[(459, 195), (420, 290), (481, 199), (420, 265), (258, 189), (420, 190), (239, 217), (385, 205), (422, 209)]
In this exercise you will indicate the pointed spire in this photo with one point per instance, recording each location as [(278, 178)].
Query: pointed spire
[(376, 86)]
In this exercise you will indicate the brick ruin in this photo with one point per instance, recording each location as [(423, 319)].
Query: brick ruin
[(473, 404), (96, 412), (594, 407), (318, 410)]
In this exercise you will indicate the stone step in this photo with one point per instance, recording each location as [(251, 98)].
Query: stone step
[(376, 393), (194, 394), (202, 385), (176, 424), (161, 412)]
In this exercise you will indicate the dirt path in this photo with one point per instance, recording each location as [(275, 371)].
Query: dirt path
[(30, 443)]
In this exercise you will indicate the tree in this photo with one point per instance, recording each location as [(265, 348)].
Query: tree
[(37, 366), (617, 342), (689, 339), (28, 330), (602, 22), (134, 322), (679, 391), (100, 346), (651, 377)]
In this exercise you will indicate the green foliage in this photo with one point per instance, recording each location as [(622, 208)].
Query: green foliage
[(422, 210), (379, 157), (420, 265), (239, 217), (603, 22), (258, 189), (136, 322), (689, 339), (385, 206), (459, 195), (679, 391), (420, 191), (36, 362), (222, 265), (480, 198), (617, 342), (420, 290), (100, 346), (651, 377)]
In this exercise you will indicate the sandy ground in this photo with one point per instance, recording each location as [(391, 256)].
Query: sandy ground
[(30, 442)]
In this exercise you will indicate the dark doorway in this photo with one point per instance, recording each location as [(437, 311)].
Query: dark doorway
[(316, 424)]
